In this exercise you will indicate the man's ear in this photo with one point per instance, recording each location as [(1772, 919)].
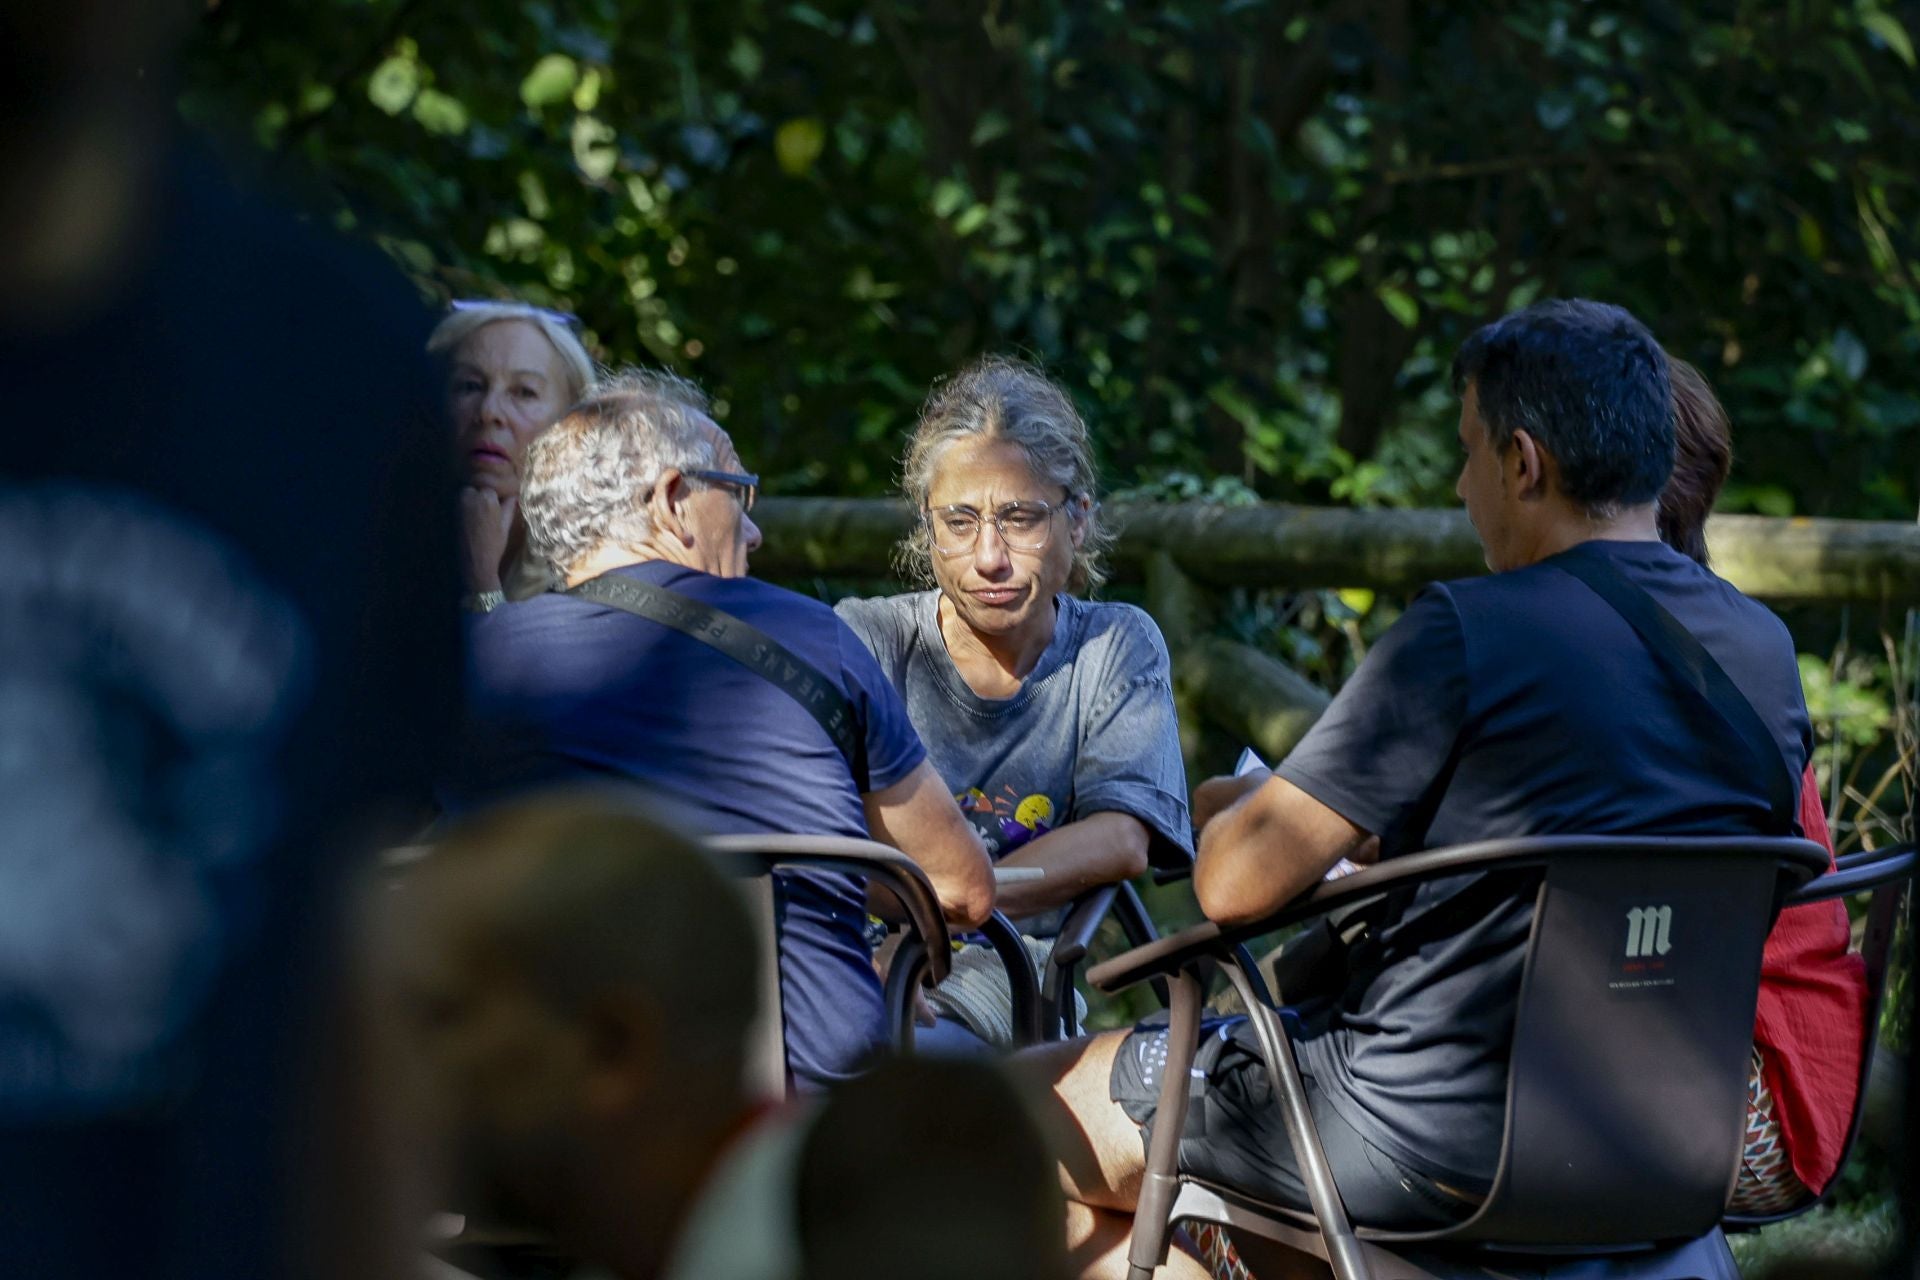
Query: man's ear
[(666, 504), (1527, 465), (1081, 509), (623, 1045)]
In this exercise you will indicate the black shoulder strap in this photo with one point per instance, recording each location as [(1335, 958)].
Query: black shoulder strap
[(1689, 660), (746, 644)]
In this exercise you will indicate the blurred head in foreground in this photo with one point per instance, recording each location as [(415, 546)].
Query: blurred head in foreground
[(576, 981), (933, 1168)]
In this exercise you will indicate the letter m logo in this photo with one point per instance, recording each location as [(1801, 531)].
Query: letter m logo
[(1647, 931)]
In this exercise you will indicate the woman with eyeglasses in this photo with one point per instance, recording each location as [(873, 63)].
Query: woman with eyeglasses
[(511, 369), (1050, 716)]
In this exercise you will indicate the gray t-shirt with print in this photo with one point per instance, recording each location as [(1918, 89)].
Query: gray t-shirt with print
[(1092, 729)]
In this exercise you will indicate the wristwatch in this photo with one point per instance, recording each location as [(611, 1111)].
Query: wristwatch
[(483, 601)]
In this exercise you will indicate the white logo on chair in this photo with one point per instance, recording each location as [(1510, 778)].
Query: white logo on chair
[(1647, 931)]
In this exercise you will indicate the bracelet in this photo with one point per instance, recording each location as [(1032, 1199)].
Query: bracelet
[(483, 601)]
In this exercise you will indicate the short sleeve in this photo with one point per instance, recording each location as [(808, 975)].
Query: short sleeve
[(882, 623), (1386, 739), (894, 749), (1129, 751)]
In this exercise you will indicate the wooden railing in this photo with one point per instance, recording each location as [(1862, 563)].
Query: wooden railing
[(1184, 552)]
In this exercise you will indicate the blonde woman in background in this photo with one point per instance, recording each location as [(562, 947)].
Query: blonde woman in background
[(511, 370)]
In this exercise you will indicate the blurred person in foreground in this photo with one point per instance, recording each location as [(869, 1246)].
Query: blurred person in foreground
[(1517, 704), (1049, 716), (575, 983), (1810, 1024), (931, 1168), (227, 670), (510, 369), (638, 500)]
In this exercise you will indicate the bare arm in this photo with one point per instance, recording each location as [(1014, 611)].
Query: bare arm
[(917, 816), (1267, 848), (1098, 849)]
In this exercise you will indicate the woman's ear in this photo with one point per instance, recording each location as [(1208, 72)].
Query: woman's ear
[(1081, 509)]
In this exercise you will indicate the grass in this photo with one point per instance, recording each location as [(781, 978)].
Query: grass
[(1860, 1234)]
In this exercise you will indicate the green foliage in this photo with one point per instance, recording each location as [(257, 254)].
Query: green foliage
[(1248, 235), (1863, 1235)]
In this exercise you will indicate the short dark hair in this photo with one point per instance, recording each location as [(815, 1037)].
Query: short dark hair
[(1588, 382)]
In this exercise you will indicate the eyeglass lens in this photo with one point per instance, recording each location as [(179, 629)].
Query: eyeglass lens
[(1023, 526)]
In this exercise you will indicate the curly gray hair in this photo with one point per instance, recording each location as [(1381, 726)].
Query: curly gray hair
[(1000, 398), (586, 476)]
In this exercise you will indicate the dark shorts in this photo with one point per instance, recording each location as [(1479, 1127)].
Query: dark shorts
[(1234, 1134)]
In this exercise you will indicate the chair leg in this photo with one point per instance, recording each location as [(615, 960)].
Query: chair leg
[(1137, 925), (1152, 1224), (1344, 1252)]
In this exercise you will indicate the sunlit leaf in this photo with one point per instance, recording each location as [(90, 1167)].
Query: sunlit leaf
[(393, 84), (586, 94), (1812, 242), (439, 112), (1399, 305), (798, 143), (991, 125), (551, 80), (1891, 33)]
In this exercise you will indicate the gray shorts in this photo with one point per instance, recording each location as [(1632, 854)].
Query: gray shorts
[(1234, 1135)]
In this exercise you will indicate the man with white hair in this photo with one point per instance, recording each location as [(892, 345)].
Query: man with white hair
[(638, 500)]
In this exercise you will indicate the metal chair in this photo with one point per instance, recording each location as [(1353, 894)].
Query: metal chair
[(1596, 1159), (1884, 873), (923, 955), (1085, 914)]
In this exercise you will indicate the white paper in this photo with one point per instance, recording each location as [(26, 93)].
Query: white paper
[(1249, 761)]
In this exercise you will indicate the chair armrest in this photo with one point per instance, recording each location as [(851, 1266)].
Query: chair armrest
[(1084, 916), (1169, 873), (1023, 984), (1178, 951), (755, 855), (1868, 869)]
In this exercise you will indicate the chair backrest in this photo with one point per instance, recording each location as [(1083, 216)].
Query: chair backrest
[(756, 859), (1627, 1082)]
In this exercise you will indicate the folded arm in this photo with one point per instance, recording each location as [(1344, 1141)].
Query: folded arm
[(917, 816), (1098, 849), (1266, 848)]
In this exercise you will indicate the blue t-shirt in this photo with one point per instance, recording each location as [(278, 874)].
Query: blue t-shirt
[(1514, 705), (564, 689)]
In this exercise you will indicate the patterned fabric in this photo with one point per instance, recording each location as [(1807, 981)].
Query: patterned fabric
[(1217, 1253), (1767, 1183)]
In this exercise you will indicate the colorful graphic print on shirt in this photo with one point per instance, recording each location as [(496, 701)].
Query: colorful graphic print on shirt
[(1006, 820)]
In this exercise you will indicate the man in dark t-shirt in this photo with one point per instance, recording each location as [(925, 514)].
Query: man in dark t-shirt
[(638, 483), (1518, 704)]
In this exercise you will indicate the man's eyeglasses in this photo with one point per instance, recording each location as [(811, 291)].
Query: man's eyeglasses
[(745, 485), (1023, 526)]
